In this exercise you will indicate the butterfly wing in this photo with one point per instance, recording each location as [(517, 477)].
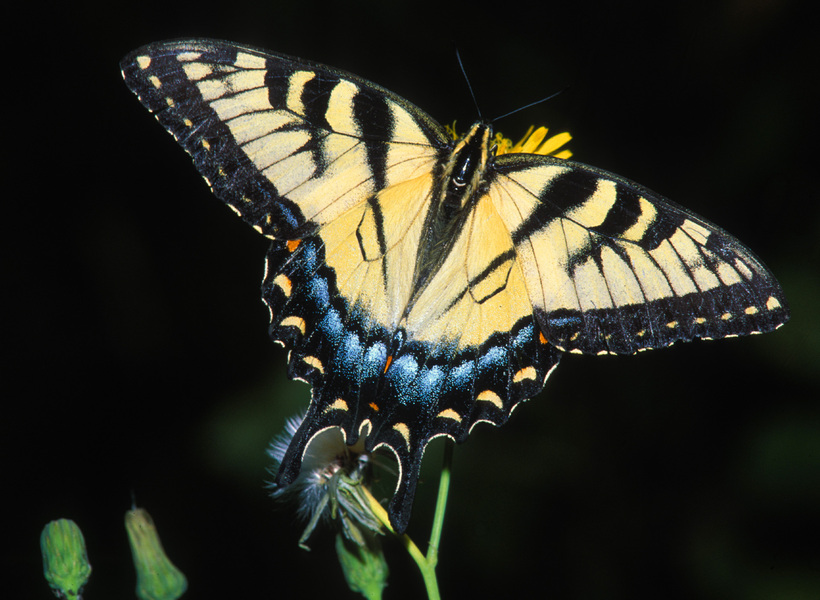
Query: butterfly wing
[(612, 267)]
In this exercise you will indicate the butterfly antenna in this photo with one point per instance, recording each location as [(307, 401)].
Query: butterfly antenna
[(531, 104), (469, 87)]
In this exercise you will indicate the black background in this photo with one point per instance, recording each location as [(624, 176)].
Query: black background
[(137, 359)]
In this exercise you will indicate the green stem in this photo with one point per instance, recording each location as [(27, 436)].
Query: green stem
[(441, 503), (427, 564), (428, 571)]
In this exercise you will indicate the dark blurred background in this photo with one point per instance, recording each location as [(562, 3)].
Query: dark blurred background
[(137, 358)]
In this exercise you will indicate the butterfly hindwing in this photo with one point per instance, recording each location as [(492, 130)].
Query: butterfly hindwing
[(423, 284)]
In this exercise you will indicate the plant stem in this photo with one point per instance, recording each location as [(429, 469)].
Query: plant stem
[(428, 571), (441, 503), (427, 564)]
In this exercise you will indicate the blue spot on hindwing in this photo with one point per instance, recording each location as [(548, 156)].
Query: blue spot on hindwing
[(403, 370), (319, 291), (493, 357)]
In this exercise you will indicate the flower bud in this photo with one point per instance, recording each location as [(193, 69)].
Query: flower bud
[(364, 566), (65, 562), (157, 577)]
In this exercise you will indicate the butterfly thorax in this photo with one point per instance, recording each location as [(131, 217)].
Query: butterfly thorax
[(455, 196)]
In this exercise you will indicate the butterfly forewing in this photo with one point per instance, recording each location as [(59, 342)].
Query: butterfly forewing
[(612, 267), (282, 141)]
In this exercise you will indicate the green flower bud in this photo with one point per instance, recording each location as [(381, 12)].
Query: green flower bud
[(65, 562), (364, 566), (157, 577)]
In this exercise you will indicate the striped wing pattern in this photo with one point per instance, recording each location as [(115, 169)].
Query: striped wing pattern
[(613, 268), (416, 304)]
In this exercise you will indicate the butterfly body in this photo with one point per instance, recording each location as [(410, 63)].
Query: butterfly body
[(425, 284)]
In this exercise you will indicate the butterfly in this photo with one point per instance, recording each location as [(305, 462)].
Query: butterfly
[(424, 284)]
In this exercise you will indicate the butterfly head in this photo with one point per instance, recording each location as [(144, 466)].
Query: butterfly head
[(470, 155)]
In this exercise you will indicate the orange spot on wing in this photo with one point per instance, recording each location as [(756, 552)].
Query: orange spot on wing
[(374, 406), (293, 245), (541, 337), (388, 363)]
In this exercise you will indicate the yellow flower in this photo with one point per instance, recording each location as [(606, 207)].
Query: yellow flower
[(533, 142)]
